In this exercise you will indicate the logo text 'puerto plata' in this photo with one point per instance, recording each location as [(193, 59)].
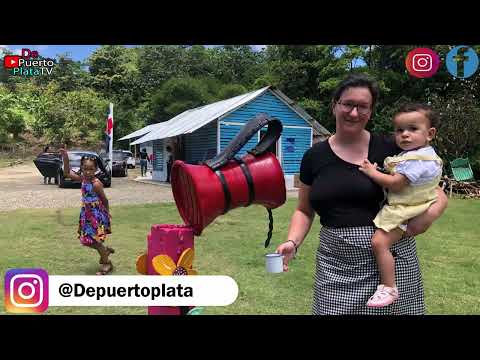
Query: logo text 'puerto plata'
[(29, 63)]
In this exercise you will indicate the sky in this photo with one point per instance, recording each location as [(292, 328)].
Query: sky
[(81, 52), (76, 52)]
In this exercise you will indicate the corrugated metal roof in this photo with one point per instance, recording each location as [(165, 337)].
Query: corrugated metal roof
[(141, 132), (193, 119)]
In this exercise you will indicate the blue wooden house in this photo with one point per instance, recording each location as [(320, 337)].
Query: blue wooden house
[(205, 131)]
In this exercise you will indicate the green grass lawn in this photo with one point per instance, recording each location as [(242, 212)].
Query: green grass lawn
[(233, 245)]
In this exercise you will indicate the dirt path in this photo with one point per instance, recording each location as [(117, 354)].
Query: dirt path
[(22, 186)]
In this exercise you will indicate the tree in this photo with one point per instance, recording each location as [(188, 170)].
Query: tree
[(76, 117), (295, 69), (158, 63), (228, 91), (459, 127), (177, 95), (199, 62), (11, 119), (238, 64), (113, 70), (69, 74)]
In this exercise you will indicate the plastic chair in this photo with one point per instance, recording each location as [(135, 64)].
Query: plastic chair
[(461, 170)]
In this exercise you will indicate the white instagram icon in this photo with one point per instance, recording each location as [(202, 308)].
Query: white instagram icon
[(33, 283), (422, 62)]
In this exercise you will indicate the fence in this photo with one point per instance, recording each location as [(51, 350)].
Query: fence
[(17, 151)]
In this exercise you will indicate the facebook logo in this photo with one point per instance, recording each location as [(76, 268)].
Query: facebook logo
[(462, 61)]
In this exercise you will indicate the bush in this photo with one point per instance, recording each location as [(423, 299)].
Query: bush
[(475, 164)]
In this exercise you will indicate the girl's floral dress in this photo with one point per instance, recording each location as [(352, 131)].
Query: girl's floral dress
[(94, 223)]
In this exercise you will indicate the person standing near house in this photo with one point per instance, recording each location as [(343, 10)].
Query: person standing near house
[(144, 160), (151, 157), (347, 202), (169, 162), (45, 178)]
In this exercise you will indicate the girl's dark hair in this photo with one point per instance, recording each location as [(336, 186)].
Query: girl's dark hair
[(427, 110), (357, 80), (88, 157)]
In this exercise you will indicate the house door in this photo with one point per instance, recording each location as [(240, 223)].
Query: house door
[(159, 163)]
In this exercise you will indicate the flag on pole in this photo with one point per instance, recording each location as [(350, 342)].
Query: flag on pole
[(109, 135)]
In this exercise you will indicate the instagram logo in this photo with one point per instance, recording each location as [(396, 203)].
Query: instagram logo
[(26, 290), (422, 62)]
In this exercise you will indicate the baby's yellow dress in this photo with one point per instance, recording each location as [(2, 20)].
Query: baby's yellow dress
[(412, 200)]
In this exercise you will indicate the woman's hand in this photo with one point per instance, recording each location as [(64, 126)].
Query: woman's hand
[(422, 222), (287, 249)]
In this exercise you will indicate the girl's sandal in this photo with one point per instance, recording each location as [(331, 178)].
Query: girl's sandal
[(105, 269)]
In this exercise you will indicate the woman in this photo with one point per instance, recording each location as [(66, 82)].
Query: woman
[(347, 201), (144, 160), (45, 178), (169, 162)]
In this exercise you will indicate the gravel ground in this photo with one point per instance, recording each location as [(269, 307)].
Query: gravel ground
[(22, 187)]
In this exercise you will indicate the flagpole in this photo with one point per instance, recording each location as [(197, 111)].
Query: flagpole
[(110, 155)]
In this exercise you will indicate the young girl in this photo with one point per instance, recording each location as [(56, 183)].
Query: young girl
[(94, 223), (412, 180)]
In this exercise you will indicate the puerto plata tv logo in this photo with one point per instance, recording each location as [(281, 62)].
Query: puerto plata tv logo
[(29, 63)]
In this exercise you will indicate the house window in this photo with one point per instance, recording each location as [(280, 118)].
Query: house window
[(290, 145)]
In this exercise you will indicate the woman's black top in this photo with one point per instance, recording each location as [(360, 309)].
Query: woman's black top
[(340, 193)]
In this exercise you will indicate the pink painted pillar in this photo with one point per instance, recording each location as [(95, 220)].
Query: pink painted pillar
[(169, 240)]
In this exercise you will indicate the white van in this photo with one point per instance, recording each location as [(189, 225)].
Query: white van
[(130, 159)]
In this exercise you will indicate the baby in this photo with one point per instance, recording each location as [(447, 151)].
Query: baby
[(413, 177)]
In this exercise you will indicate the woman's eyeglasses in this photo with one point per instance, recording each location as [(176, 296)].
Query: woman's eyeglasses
[(348, 107)]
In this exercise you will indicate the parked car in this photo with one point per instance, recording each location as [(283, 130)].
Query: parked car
[(130, 159), (48, 163), (103, 172), (119, 163)]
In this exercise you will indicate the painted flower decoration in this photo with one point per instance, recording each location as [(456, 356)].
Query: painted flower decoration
[(164, 265), (141, 264)]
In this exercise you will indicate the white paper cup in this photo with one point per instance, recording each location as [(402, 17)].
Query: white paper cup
[(274, 263)]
